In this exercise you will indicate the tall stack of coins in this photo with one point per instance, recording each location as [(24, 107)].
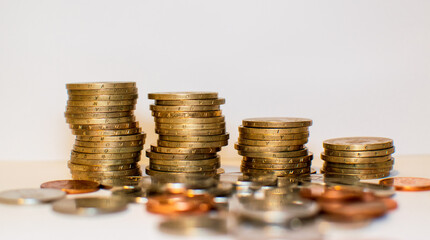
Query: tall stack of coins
[(274, 146), (191, 131), (108, 138), (363, 157)]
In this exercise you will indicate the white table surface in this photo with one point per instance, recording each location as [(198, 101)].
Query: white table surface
[(410, 221)]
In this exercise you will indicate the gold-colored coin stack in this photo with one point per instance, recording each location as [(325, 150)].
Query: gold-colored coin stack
[(191, 131), (108, 141), (274, 146), (363, 157)]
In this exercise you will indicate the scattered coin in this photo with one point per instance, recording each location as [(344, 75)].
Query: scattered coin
[(90, 206), (194, 225), (407, 183), (72, 186), (31, 196)]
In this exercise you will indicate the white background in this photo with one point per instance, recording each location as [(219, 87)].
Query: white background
[(354, 67)]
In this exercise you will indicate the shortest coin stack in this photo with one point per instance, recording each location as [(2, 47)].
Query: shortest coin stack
[(274, 146), (363, 157)]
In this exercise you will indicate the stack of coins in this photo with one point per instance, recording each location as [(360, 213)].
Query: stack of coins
[(108, 138), (191, 131), (363, 157), (274, 146)]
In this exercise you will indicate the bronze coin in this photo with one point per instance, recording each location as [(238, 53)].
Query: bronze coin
[(72, 186), (407, 183)]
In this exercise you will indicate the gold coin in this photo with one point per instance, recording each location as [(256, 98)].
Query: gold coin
[(213, 138), (298, 153), (169, 156), (277, 122), (128, 172), (287, 172), (210, 161), (355, 160), (100, 85), (134, 137), (199, 126), (272, 131), (276, 137), (104, 162), (358, 143), (204, 102), (158, 108), (373, 153), (151, 172), (360, 176), (73, 103), (107, 150), (272, 143), (171, 144), (199, 132), (182, 95), (291, 160), (99, 109), (105, 156), (101, 120), (275, 166), (187, 114), (200, 120), (267, 149), (356, 171), (184, 150), (107, 132), (168, 168), (86, 116), (95, 127), (117, 97), (79, 167), (109, 144), (386, 164), (107, 91)]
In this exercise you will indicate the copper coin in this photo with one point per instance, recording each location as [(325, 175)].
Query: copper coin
[(72, 186), (341, 193), (407, 183), (356, 210), (174, 204)]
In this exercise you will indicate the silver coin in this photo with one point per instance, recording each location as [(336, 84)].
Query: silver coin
[(194, 225), (90, 206), (31, 196)]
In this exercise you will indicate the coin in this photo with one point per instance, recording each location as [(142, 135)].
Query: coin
[(100, 133), (74, 110), (107, 150), (184, 150), (358, 143), (200, 132), (100, 85), (100, 144), (199, 120), (106, 91), (209, 161), (270, 131), (276, 122), (92, 116), (151, 172), (267, 149), (104, 162), (81, 121), (194, 225), (386, 164), (298, 153), (297, 171), (276, 137), (173, 204), (105, 156), (128, 172), (291, 160), (407, 183), (72, 186), (212, 138), (96, 127), (185, 169), (182, 95), (283, 166), (190, 126), (356, 210), (272, 143), (134, 137), (97, 97), (73, 103), (131, 195), (90, 206), (361, 176), (162, 143), (168, 156), (193, 108), (356, 171), (203, 102), (79, 167), (355, 160), (373, 153), (31, 196), (208, 114)]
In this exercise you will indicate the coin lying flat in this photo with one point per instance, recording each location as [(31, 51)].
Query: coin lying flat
[(407, 183), (179, 156), (119, 173), (182, 95), (151, 172), (103, 168), (31, 196), (74, 103), (298, 153), (72, 186), (178, 138), (209, 161), (276, 122), (107, 150), (248, 130), (194, 225), (208, 114), (132, 137), (92, 116), (183, 169), (276, 137), (106, 91), (103, 162), (359, 175), (355, 160), (73, 110), (203, 102), (99, 133), (190, 126), (162, 143), (267, 149), (184, 150), (90, 206), (386, 164), (372, 153), (187, 132), (110, 120), (192, 108), (283, 172), (356, 171), (97, 127), (96, 156), (100, 85), (117, 97), (358, 143), (271, 143), (198, 120), (173, 204), (283, 166), (291, 160), (102, 144)]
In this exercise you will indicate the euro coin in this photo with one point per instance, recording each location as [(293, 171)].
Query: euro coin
[(212, 138), (277, 122), (100, 109), (106, 91), (275, 166), (74, 103), (288, 172), (158, 108), (152, 172), (360, 176), (72, 186), (100, 85), (98, 97), (163, 143), (104, 162), (90, 206), (203, 102), (355, 160), (79, 167), (267, 149), (94, 144), (106, 132), (96, 127), (208, 114), (356, 171), (31, 196), (358, 143), (373, 153), (298, 153), (128, 172), (170, 156), (184, 150), (271, 143), (183, 95), (92, 121), (270, 131), (133, 137), (407, 183), (210, 161), (386, 164), (186, 132), (276, 137), (198, 120), (91, 116), (190, 126), (105, 156), (107, 150), (168, 168), (290, 160)]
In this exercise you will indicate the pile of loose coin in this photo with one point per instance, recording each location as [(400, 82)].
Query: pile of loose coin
[(108, 138), (274, 146), (191, 131), (363, 157)]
